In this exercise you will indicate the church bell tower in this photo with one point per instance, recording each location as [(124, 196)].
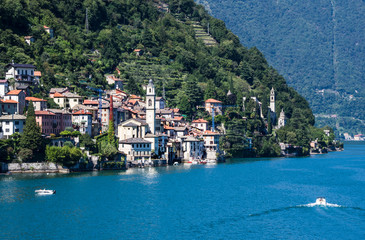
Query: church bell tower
[(272, 100), (151, 106)]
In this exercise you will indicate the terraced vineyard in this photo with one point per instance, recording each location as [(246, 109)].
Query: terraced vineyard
[(143, 68), (200, 33)]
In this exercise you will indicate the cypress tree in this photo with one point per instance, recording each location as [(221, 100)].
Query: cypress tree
[(269, 123), (32, 136)]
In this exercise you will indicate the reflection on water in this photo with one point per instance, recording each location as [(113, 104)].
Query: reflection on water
[(242, 199)]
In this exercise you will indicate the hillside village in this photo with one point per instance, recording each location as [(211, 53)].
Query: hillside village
[(146, 129)]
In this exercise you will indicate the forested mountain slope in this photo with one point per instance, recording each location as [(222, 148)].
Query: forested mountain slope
[(188, 62), (317, 45)]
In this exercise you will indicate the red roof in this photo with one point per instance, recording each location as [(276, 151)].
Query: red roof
[(82, 112), (90, 102), (137, 50), (37, 73), (43, 113), (168, 128), (45, 26), (211, 100), (176, 110), (135, 97), (208, 132), (34, 99), (9, 101), (14, 92), (57, 94), (3, 81), (200, 121)]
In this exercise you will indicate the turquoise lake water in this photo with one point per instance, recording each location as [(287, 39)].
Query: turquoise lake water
[(240, 199)]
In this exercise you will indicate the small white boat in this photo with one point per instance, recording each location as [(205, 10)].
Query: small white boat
[(321, 201), (45, 192)]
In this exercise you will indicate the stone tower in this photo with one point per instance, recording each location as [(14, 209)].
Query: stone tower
[(272, 100), (282, 119), (151, 106)]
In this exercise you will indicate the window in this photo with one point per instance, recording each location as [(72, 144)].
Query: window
[(7, 130), (149, 102), (7, 122), (16, 130), (16, 122)]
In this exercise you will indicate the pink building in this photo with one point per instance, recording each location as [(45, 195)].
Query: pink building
[(53, 121)]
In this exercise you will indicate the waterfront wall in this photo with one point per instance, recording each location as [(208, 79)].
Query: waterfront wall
[(32, 167)]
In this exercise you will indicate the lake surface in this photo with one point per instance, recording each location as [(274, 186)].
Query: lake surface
[(241, 199)]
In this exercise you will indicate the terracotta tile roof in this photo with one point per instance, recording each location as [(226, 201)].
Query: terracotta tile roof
[(137, 50), (43, 113), (9, 101), (3, 81), (81, 112), (90, 102), (45, 26), (168, 128), (208, 132), (178, 118), (135, 97), (211, 100), (14, 92), (37, 73), (200, 121), (34, 99), (57, 94), (176, 110)]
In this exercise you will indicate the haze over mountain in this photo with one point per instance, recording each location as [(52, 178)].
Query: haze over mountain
[(318, 46)]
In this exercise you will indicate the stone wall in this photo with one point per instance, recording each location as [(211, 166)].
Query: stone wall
[(33, 167)]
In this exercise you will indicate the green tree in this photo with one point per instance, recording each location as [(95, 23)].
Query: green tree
[(31, 137)]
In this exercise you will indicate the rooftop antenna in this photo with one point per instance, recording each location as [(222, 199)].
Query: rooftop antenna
[(87, 21)]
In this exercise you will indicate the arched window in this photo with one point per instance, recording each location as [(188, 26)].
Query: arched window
[(150, 90), (149, 102)]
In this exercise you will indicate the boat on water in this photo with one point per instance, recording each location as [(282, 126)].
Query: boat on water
[(45, 192), (321, 202)]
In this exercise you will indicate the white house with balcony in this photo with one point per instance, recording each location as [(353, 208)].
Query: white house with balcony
[(211, 144), (193, 149), (136, 149), (10, 124), (23, 74), (82, 120)]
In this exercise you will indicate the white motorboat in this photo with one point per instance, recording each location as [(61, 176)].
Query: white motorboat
[(321, 201), (45, 192)]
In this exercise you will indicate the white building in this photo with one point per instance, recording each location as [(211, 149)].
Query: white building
[(193, 149), (67, 99), (160, 103), (20, 72), (10, 124), (4, 87), (132, 128), (211, 144), (200, 124), (18, 96), (38, 103), (135, 149), (83, 121), (282, 119)]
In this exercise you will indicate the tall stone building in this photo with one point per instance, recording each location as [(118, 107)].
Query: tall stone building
[(151, 107)]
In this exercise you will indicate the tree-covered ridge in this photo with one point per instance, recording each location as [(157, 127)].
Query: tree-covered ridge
[(189, 71), (316, 45)]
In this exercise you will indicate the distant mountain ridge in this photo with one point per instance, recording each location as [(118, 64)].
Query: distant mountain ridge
[(318, 46)]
